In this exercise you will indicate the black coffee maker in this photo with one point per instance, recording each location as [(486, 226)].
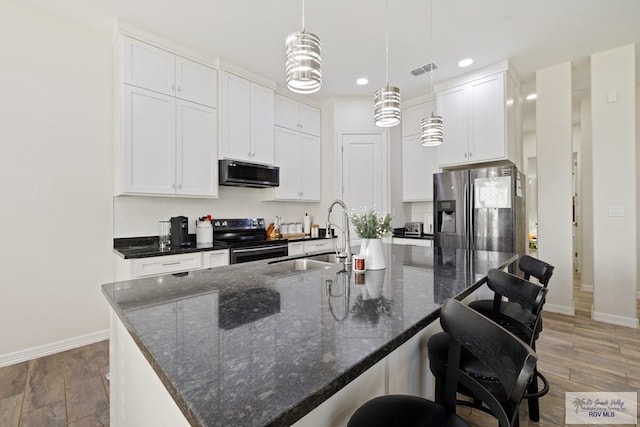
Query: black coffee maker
[(179, 232)]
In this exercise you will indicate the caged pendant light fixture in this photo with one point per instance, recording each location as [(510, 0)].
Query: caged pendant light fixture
[(387, 99), (432, 129), (303, 61)]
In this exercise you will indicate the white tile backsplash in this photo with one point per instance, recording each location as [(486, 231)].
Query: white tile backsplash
[(139, 215)]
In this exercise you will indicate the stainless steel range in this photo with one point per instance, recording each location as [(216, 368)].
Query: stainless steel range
[(247, 240)]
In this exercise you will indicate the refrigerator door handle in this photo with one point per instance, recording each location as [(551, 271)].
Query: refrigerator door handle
[(465, 209), (471, 225)]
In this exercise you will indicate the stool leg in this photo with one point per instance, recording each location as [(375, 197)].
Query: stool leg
[(534, 405), (439, 390)]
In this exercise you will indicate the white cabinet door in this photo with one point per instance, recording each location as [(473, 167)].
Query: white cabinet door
[(309, 119), (323, 245), (196, 146), (286, 158), (236, 117), (309, 167), (297, 116), (148, 141), (487, 119), (419, 163), (452, 106), (167, 264), (211, 259), (261, 124), (296, 248), (196, 82), (286, 112), (147, 66)]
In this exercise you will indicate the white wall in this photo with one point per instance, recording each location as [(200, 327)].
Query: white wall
[(614, 143), (56, 169), (554, 162)]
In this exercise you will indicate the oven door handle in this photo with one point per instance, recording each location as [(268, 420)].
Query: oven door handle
[(260, 249)]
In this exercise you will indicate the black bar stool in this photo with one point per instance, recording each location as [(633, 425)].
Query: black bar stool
[(542, 271), (467, 331), (530, 297)]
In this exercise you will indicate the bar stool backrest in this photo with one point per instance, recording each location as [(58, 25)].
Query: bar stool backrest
[(511, 360), (531, 266)]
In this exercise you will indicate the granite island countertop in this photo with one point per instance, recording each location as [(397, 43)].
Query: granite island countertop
[(263, 344)]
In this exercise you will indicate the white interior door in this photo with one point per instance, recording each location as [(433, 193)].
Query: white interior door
[(363, 171)]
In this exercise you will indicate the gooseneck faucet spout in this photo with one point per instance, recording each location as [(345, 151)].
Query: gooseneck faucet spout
[(347, 255)]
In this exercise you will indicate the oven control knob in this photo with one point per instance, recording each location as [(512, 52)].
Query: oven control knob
[(224, 223), (260, 223), (254, 222), (216, 224)]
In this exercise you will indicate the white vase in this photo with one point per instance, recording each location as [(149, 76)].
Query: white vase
[(373, 255)]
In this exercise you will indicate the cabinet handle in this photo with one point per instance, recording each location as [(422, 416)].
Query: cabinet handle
[(166, 264), (470, 154), (249, 154), (173, 185), (179, 88), (465, 155), (179, 186), (173, 88)]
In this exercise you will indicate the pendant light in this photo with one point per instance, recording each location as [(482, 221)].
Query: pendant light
[(387, 99), (303, 61), (432, 129)]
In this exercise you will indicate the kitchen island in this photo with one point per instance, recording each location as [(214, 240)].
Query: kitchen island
[(266, 343)]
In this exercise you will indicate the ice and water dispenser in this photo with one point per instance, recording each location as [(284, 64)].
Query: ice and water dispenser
[(446, 216)]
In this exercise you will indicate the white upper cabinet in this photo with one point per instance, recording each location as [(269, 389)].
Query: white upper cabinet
[(247, 120), (169, 126), (156, 69), (298, 156), (479, 117), (148, 141), (419, 163), (196, 82), (196, 155), (297, 116)]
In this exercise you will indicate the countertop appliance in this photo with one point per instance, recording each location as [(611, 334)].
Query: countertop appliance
[(180, 231), (480, 208), (413, 229), (243, 174), (247, 240)]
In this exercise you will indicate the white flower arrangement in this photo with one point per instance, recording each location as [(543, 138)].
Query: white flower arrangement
[(369, 224)]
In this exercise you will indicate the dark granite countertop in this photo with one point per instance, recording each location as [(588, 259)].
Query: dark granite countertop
[(262, 344), (145, 247)]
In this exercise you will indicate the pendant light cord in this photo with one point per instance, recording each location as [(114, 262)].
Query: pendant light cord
[(431, 48), (386, 46), (303, 16)]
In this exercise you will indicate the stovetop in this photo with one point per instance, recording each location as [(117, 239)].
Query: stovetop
[(241, 232)]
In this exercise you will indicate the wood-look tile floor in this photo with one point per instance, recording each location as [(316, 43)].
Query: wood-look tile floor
[(64, 389), (576, 354)]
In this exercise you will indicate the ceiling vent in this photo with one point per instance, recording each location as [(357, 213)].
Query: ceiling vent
[(424, 69)]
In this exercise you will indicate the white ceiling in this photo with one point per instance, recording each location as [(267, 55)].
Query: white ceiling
[(251, 33)]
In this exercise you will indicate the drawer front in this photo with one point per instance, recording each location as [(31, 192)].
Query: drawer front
[(318, 245), (166, 264), (215, 258), (296, 248)]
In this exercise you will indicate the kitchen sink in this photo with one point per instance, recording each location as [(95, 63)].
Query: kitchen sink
[(302, 264), (330, 258)]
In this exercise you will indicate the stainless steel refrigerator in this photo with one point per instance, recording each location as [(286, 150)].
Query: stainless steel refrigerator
[(481, 208)]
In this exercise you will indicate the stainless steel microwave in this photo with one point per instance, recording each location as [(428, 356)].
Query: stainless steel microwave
[(243, 174)]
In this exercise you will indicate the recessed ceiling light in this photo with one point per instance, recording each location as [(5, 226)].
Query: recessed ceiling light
[(362, 81), (532, 96), (465, 62)]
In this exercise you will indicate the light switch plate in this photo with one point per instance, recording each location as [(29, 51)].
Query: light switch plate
[(616, 210), (612, 97)]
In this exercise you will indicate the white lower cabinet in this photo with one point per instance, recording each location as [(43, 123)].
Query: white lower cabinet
[(169, 264), (215, 258), (311, 246), (415, 242)]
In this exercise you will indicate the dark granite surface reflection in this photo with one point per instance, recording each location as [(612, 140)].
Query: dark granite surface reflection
[(262, 344)]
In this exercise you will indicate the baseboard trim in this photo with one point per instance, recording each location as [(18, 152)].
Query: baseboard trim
[(55, 347), (560, 309), (586, 288), (629, 322)]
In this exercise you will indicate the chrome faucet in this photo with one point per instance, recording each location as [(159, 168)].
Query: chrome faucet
[(348, 257)]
